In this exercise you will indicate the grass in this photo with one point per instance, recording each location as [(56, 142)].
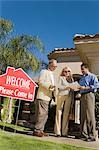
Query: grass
[(12, 141), (12, 127)]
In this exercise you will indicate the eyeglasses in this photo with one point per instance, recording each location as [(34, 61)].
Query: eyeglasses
[(66, 71)]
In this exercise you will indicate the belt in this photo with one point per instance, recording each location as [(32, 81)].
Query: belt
[(87, 92)]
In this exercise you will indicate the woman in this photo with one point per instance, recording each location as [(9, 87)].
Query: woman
[(63, 101)]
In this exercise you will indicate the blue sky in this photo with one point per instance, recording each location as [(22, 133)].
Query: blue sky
[(55, 22)]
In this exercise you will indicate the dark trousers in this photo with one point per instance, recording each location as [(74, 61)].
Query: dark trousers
[(88, 114), (41, 113)]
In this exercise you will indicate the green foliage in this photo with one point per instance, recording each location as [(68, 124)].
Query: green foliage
[(22, 57), (5, 112), (25, 41), (20, 142), (97, 108), (5, 28), (6, 57), (97, 96), (16, 51), (13, 127), (97, 102), (98, 77)]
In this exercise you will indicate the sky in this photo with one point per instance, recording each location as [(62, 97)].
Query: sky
[(54, 22)]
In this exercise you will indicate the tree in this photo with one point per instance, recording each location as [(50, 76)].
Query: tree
[(5, 28), (17, 52)]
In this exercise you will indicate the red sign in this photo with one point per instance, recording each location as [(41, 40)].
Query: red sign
[(17, 84)]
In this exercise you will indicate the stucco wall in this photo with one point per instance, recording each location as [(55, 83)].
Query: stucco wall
[(89, 53)]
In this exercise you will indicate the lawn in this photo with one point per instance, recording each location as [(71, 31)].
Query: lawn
[(12, 127), (12, 141)]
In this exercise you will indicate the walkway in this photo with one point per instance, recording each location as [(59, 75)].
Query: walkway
[(71, 141)]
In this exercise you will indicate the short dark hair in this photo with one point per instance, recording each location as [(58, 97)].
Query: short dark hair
[(84, 65)]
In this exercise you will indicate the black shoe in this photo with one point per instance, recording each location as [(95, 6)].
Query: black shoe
[(81, 136), (64, 135), (77, 137), (90, 139), (58, 135)]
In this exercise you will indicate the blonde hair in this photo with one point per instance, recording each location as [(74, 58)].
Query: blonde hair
[(69, 78), (67, 68)]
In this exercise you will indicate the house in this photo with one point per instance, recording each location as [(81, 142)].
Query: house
[(86, 50), (66, 57)]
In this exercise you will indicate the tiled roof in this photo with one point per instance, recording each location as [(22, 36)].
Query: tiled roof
[(64, 49), (85, 36), (56, 50), (72, 51)]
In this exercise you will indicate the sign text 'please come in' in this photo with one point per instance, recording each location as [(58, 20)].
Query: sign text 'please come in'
[(17, 84)]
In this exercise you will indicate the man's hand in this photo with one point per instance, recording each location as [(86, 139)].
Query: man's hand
[(52, 88), (74, 88), (84, 88)]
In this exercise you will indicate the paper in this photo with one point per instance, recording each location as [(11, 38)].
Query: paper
[(77, 111), (74, 85)]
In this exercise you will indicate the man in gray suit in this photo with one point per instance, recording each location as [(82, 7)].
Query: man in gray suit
[(44, 95), (89, 84)]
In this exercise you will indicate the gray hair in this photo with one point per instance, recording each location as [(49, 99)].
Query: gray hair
[(52, 60)]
